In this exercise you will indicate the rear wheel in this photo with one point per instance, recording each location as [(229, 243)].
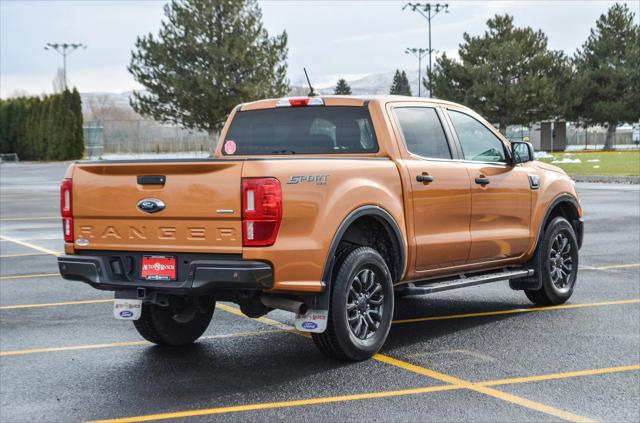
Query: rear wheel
[(558, 257), (180, 323), (361, 307)]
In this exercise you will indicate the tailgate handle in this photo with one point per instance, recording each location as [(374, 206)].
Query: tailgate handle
[(151, 180)]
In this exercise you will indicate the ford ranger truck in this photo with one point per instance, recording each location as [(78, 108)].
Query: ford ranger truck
[(332, 208)]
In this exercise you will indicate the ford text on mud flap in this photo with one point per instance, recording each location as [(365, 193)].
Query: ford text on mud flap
[(331, 208)]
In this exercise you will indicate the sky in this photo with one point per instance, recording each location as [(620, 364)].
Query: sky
[(332, 39)]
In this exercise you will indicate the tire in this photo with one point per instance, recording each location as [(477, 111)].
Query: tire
[(558, 264), (181, 323), (360, 308)]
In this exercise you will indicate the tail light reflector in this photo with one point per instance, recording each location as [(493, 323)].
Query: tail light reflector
[(66, 209), (261, 211)]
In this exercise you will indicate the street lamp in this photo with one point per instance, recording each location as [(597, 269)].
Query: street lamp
[(428, 11), (419, 53), (64, 49)]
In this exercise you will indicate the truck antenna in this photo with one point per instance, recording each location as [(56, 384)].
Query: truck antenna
[(312, 93)]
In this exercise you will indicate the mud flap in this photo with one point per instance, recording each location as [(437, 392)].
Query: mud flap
[(126, 306), (312, 321)]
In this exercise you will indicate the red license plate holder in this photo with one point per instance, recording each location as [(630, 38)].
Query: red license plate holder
[(158, 268)]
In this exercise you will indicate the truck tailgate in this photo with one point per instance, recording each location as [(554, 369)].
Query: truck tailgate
[(201, 214)]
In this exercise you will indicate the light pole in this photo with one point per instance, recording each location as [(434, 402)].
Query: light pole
[(419, 53), (428, 11), (64, 49)]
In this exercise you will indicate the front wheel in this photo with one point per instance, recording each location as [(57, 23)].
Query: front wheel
[(180, 323), (361, 307), (558, 257)]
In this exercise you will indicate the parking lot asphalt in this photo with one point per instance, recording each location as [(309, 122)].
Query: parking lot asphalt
[(476, 354)]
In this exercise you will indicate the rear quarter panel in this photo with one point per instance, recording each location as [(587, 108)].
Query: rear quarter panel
[(313, 212)]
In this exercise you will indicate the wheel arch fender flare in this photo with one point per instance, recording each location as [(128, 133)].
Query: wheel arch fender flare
[(562, 198), (321, 301)]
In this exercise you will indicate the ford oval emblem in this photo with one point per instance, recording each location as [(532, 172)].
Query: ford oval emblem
[(150, 205), (126, 313), (309, 325)]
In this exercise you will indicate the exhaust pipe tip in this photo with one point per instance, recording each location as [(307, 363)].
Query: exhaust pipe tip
[(285, 304)]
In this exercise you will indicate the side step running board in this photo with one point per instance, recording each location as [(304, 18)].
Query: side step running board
[(466, 281)]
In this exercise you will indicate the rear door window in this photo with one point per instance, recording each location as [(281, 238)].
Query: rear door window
[(302, 130), (423, 132)]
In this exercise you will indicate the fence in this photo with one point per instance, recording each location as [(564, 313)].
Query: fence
[(592, 138), (136, 137)]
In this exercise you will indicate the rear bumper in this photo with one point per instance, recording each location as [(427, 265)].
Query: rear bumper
[(202, 277)]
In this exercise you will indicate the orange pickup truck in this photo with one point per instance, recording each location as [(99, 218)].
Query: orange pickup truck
[(329, 207)]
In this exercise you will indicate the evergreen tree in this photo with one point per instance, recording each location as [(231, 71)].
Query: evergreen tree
[(342, 88), (77, 148), (508, 75), (400, 84), (208, 56), (608, 72)]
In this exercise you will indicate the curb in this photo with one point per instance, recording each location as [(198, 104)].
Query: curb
[(607, 179)]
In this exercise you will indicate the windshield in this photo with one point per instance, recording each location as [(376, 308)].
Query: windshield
[(301, 130)]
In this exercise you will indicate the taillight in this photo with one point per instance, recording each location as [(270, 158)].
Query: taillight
[(261, 211), (66, 209)]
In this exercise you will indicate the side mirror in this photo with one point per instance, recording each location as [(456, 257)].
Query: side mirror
[(522, 152)]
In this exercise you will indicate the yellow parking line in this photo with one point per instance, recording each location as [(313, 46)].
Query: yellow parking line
[(42, 275), (618, 266), (29, 245), (515, 310), (10, 219), (354, 397), (26, 255), (514, 399), (125, 344), (563, 375), (63, 303), (281, 404)]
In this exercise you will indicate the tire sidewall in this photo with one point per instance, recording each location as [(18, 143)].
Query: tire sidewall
[(357, 260), (558, 225)]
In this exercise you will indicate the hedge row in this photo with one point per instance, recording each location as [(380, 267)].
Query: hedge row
[(42, 128)]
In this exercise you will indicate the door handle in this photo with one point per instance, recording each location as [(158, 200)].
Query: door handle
[(482, 181), (425, 178)]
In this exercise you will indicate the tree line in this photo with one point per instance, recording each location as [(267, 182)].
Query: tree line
[(42, 128), (511, 77), (209, 56)]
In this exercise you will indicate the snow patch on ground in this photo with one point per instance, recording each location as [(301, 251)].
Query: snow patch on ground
[(596, 167), (543, 155), (593, 161), (566, 160)]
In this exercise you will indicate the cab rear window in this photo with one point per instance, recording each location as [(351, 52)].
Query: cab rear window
[(301, 130)]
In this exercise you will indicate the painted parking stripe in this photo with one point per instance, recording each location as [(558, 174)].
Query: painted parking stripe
[(41, 275), (515, 311), (126, 344), (562, 375), (514, 399), (29, 245), (281, 404), (62, 303), (12, 219), (486, 390), (353, 397), (25, 255)]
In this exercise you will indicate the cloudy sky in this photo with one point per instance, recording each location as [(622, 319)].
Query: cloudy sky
[(332, 39)]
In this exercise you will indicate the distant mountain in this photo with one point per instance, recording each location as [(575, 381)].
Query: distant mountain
[(378, 83), (375, 83)]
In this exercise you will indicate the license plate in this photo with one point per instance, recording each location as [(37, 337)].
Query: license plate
[(158, 268)]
